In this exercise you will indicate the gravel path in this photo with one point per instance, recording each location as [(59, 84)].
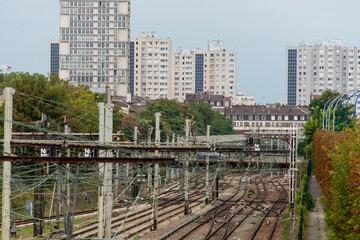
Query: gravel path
[(317, 229)]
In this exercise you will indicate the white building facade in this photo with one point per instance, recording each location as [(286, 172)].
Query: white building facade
[(184, 73), (241, 99), (94, 44), (150, 66), (196, 71), (270, 118), (312, 68)]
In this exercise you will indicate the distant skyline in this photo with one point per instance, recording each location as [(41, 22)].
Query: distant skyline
[(258, 31)]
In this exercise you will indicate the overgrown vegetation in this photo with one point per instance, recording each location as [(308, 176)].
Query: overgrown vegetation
[(304, 198), (337, 168), (315, 122)]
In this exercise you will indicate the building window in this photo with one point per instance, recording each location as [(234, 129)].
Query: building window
[(279, 118), (250, 117)]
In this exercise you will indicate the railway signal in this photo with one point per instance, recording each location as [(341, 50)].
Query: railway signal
[(251, 141)]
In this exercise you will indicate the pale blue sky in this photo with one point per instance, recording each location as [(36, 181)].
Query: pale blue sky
[(258, 30)]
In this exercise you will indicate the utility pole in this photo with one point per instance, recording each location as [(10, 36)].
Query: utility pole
[(117, 176), (108, 170), (136, 135), (216, 185), (150, 178), (167, 166), (135, 142), (207, 164), (135, 187), (293, 173), (101, 171), (68, 187), (156, 174), (6, 188), (58, 192), (187, 134), (38, 205), (150, 130)]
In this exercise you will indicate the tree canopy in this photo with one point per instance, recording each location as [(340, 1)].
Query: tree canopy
[(37, 94), (174, 115)]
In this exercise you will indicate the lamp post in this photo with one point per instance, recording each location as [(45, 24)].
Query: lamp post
[(341, 97), (338, 110), (355, 112), (328, 113), (324, 111), (346, 107)]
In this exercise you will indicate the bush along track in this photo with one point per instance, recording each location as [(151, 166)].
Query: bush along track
[(337, 168)]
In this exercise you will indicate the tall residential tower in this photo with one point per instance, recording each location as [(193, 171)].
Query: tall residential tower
[(150, 61), (196, 71), (311, 68), (95, 43), (54, 58)]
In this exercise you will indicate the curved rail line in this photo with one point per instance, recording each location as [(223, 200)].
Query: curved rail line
[(216, 211)]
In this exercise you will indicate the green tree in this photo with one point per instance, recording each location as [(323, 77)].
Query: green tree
[(317, 114), (31, 92), (36, 94), (2, 76), (174, 115)]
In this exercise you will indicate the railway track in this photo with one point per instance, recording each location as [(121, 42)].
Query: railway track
[(271, 217), (132, 224), (209, 216), (239, 217), (222, 221), (230, 223)]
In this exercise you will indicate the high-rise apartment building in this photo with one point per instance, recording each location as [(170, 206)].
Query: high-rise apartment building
[(54, 58), (311, 68), (196, 71), (95, 43), (187, 73), (150, 66), (220, 70), (156, 72)]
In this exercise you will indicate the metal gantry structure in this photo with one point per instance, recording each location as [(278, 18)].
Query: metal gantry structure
[(177, 152), (293, 173)]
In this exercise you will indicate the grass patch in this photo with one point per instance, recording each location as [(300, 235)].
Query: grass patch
[(287, 224), (27, 232), (251, 192), (329, 232)]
